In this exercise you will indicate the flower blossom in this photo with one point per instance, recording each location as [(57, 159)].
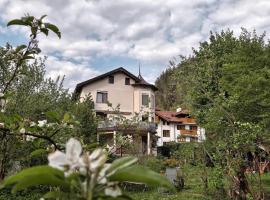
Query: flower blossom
[(42, 123), (22, 131), (70, 160), (97, 159)]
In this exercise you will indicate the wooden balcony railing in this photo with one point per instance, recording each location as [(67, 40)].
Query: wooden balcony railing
[(188, 132)]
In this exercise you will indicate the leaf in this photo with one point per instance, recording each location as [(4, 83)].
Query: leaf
[(141, 174), (20, 47), (28, 57), (53, 116), (53, 28), (53, 195), (45, 31), (17, 22), (121, 163), (66, 117), (42, 17), (39, 175), (59, 195), (38, 179), (38, 152)]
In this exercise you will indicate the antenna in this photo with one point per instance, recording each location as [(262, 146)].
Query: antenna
[(139, 68)]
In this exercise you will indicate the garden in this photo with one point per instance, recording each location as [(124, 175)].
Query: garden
[(48, 140)]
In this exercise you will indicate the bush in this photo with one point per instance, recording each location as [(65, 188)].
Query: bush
[(152, 163), (171, 162), (35, 194)]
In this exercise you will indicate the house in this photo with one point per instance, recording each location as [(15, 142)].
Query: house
[(136, 98), (177, 127)]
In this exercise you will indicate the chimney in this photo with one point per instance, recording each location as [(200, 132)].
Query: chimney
[(178, 109)]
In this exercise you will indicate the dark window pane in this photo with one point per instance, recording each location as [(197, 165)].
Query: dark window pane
[(127, 81), (111, 79), (105, 98), (145, 100), (166, 133), (102, 97)]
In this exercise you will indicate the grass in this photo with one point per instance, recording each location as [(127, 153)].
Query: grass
[(193, 189)]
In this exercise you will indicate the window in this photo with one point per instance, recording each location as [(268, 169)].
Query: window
[(194, 128), (152, 101), (164, 122), (101, 115), (145, 99), (180, 127), (111, 79), (102, 97), (127, 81), (166, 133)]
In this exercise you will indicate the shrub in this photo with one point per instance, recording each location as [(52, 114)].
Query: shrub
[(171, 162), (152, 163)]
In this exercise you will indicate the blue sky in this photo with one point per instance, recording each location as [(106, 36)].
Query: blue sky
[(100, 35)]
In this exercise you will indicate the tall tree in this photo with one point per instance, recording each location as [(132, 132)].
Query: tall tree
[(226, 83)]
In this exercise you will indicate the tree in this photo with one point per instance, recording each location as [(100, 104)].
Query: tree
[(225, 82)]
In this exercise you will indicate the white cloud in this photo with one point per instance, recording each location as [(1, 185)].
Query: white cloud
[(150, 31), (74, 73)]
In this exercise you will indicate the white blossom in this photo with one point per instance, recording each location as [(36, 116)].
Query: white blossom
[(1, 94), (113, 191), (2, 125), (97, 159), (71, 159), (102, 174), (42, 123), (32, 124), (110, 148), (22, 131), (2, 103), (30, 138)]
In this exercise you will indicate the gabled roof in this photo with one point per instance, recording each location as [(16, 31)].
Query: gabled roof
[(176, 117), (144, 83), (138, 80)]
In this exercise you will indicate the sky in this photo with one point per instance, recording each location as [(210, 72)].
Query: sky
[(101, 35)]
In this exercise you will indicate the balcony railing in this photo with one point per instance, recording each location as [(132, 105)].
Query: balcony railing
[(188, 132), (146, 126)]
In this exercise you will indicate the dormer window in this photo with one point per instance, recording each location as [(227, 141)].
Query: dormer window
[(111, 79), (127, 81)]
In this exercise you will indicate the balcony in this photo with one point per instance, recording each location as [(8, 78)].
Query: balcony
[(116, 126), (188, 132)]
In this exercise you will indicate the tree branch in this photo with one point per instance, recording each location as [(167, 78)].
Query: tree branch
[(49, 139)]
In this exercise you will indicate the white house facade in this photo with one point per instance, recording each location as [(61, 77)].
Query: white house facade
[(177, 127)]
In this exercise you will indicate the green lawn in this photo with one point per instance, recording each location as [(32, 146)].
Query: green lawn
[(193, 189)]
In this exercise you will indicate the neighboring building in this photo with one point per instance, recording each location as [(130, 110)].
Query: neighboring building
[(177, 127), (135, 96)]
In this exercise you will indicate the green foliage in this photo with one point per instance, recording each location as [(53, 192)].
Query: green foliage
[(140, 174), (152, 163), (84, 113), (121, 170), (165, 96), (225, 85)]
